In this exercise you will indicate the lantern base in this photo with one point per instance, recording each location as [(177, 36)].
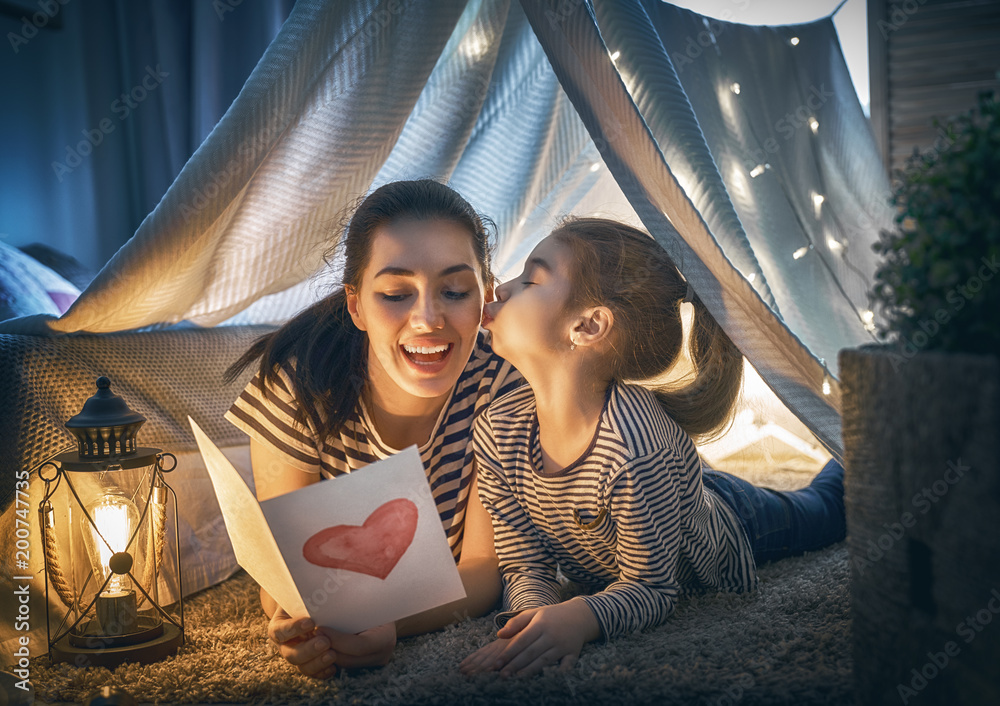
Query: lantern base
[(147, 652)]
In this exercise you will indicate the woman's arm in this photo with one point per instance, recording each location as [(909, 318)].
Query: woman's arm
[(478, 569)]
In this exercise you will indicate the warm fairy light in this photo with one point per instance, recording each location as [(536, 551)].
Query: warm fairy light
[(868, 319), (834, 245), (614, 57), (800, 253), (735, 88), (520, 223), (595, 166), (757, 171), (818, 200), (826, 385), (751, 277), (794, 41), (813, 125)]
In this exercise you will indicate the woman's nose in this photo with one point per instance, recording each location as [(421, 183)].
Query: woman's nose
[(502, 291), (427, 313)]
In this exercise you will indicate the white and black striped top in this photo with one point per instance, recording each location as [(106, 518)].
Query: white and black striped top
[(267, 414), (631, 516)]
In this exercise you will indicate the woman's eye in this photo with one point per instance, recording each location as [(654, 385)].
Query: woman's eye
[(393, 297), (456, 295), (527, 284)]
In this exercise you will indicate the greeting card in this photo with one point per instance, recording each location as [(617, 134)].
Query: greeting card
[(351, 553)]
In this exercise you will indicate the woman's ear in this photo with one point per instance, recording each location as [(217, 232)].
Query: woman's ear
[(353, 307), (593, 326)]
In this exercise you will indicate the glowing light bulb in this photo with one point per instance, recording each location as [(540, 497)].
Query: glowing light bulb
[(757, 171), (813, 125), (868, 319), (115, 518), (735, 88), (595, 166), (800, 253), (794, 41), (818, 200), (614, 57), (751, 277), (834, 245), (826, 384)]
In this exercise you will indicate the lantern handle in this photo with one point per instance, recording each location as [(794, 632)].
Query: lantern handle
[(159, 461)]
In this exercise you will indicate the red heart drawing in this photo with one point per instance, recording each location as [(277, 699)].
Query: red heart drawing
[(374, 548)]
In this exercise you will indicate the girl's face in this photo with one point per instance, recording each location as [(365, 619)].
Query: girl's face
[(421, 301), (529, 320)]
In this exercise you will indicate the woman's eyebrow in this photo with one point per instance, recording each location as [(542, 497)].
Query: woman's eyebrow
[(403, 272)]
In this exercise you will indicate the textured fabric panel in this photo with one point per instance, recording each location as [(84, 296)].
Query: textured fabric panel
[(163, 375), (690, 214), (250, 213)]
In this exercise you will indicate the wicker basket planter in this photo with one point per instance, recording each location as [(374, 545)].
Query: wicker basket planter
[(922, 485)]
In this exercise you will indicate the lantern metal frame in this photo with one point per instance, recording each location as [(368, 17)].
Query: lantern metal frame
[(80, 636)]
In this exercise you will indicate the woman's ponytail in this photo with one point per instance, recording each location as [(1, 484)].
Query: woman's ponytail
[(325, 355)]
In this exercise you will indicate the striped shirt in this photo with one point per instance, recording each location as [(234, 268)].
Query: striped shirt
[(267, 414), (630, 518)]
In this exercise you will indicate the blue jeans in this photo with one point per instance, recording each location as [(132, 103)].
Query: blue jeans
[(786, 523)]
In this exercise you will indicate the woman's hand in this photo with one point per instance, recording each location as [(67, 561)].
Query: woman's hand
[(319, 652), (537, 638), (301, 646)]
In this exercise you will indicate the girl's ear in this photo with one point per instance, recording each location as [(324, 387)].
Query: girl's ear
[(593, 326), (352, 307)]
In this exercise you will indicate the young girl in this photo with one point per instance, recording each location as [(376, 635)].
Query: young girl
[(600, 478)]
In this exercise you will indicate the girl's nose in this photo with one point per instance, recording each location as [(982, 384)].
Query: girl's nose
[(502, 291)]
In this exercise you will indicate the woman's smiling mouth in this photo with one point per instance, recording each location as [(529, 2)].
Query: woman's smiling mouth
[(426, 356)]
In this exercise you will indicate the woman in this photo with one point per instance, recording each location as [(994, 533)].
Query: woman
[(396, 357)]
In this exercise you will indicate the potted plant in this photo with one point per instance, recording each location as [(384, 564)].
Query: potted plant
[(921, 426)]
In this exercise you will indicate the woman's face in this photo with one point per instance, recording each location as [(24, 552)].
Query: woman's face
[(421, 302), (529, 320)]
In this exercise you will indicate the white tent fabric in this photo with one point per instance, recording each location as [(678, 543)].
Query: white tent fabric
[(532, 111)]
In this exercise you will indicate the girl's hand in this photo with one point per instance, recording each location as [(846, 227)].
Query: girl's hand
[(301, 646), (540, 637), (484, 659)]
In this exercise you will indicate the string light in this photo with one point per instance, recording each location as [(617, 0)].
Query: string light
[(868, 319), (614, 57), (801, 252), (735, 88), (826, 377), (520, 223), (758, 170), (834, 245), (595, 166), (794, 41), (818, 200), (751, 277), (813, 125)]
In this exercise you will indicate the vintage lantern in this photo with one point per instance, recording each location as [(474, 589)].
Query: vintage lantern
[(117, 499)]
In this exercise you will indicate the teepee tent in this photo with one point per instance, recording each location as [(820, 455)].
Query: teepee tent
[(741, 149)]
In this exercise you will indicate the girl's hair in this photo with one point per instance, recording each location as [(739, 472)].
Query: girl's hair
[(624, 269), (330, 354)]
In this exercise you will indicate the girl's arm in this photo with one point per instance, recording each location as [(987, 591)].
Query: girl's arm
[(527, 568)]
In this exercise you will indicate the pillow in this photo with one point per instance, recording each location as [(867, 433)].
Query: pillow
[(62, 264), (29, 287)]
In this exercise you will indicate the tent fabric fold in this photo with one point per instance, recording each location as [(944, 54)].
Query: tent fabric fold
[(746, 155)]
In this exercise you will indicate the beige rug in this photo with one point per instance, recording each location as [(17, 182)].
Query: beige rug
[(789, 643)]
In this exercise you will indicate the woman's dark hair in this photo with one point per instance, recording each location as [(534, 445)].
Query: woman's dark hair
[(624, 269), (328, 352)]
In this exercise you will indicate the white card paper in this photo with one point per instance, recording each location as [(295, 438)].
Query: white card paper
[(354, 552)]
